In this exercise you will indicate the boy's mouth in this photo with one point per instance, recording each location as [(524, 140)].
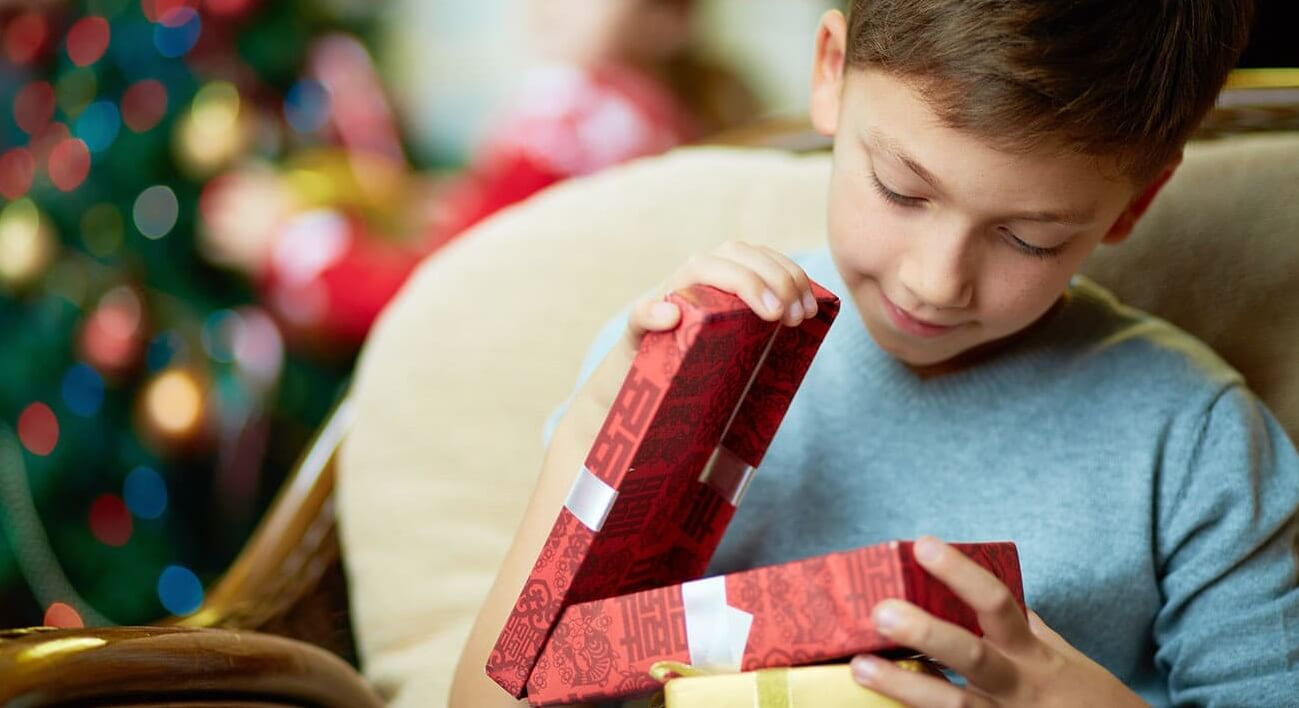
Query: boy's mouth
[(910, 324)]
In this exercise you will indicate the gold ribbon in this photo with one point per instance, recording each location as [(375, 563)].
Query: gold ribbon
[(772, 684)]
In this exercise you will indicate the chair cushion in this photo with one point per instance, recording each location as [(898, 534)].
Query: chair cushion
[(457, 378), (1218, 255), (459, 374)]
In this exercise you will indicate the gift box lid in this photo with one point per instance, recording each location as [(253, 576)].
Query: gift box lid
[(798, 613), (693, 418)]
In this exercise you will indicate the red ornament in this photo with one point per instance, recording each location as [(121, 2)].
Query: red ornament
[(17, 167), (87, 40), (63, 616), (25, 37), (144, 104), (34, 107), (69, 164), (110, 520), (329, 276), (38, 429)]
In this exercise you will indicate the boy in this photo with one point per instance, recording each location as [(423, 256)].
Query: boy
[(973, 388)]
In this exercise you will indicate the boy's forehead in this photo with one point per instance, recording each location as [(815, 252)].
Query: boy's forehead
[(892, 119)]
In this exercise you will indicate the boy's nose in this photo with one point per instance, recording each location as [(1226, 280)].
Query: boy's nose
[(937, 271)]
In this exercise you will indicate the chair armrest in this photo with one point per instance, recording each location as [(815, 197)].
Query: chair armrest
[(147, 665), (292, 549)]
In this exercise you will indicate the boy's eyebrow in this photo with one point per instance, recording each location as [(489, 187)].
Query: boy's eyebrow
[(888, 145)]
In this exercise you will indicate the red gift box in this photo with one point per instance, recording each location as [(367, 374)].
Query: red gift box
[(694, 416), (798, 613)]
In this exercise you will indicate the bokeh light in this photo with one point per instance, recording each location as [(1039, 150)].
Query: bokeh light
[(145, 493), (228, 8), (155, 211), (83, 390), (44, 142), (69, 164), (306, 106), (212, 133), (75, 90), (173, 404), (102, 229), (120, 312), (166, 349), (144, 104), (63, 616), (87, 39), (155, 10), (17, 169), (179, 590), (177, 31), (98, 125), (34, 107), (38, 429), (259, 347), (220, 330), (110, 521), (112, 336), (26, 244), (25, 36)]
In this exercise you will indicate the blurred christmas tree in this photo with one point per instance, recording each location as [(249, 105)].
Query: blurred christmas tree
[(163, 358)]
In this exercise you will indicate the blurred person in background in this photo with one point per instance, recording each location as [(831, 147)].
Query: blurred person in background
[(614, 80)]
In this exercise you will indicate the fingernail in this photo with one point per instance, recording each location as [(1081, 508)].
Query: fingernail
[(796, 310), (886, 618), (809, 304), (864, 668), (927, 549), (771, 301), (663, 311)]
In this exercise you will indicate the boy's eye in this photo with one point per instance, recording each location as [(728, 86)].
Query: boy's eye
[(1028, 248), (892, 196)]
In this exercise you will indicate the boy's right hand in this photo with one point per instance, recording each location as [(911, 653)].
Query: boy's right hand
[(772, 285)]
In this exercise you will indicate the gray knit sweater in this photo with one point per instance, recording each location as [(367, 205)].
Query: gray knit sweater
[(1152, 496)]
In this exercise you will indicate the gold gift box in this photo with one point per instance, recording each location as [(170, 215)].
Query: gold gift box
[(826, 686)]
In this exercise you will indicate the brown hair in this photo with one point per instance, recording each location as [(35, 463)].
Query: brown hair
[(1124, 78)]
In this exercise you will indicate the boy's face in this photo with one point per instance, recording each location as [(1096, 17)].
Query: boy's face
[(947, 244)]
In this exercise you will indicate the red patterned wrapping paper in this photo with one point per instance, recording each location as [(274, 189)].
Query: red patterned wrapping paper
[(694, 416), (804, 612)]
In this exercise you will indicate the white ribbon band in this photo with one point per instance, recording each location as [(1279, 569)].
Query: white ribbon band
[(728, 474), (716, 633), (590, 499)]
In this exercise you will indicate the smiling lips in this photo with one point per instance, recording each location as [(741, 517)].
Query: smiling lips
[(911, 325)]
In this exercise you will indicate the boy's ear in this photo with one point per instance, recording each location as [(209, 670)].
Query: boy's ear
[(827, 71), (1123, 226)]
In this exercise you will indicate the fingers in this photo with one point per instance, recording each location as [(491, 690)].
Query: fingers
[(800, 278), (949, 644), (774, 288), (912, 688), (1000, 617)]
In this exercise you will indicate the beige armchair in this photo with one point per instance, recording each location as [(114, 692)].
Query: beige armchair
[(441, 435)]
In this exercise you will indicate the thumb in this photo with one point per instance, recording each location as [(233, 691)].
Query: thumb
[(651, 316), (1049, 636)]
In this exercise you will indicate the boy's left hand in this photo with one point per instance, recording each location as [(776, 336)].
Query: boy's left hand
[(1017, 662)]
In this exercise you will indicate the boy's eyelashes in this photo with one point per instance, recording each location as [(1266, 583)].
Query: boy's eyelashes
[(892, 196), (1019, 244), (1028, 248)]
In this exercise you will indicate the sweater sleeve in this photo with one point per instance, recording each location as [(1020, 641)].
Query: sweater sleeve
[(1228, 630)]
